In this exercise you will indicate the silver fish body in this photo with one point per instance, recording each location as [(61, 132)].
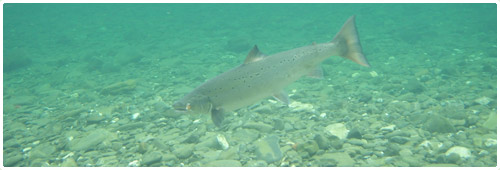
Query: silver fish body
[(262, 76)]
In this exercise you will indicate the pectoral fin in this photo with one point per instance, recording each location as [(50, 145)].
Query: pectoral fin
[(217, 116)]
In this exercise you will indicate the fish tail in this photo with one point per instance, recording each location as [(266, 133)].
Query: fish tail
[(348, 44)]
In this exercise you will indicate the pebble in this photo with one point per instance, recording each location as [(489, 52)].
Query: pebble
[(359, 142), (461, 151), (490, 142), (341, 159), (405, 153), (183, 151), (151, 157), (338, 129), (245, 135), (322, 141), (11, 160), (70, 162), (268, 149), (262, 127), (222, 142), (389, 128), (307, 149), (224, 163), (90, 141), (483, 100), (399, 139), (256, 163), (354, 133)]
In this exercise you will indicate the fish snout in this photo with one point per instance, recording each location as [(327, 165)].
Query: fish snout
[(181, 106)]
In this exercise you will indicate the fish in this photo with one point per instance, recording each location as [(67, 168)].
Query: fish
[(261, 76)]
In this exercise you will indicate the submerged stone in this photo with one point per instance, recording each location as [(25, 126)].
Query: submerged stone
[(268, 149), (307, 149), (184, 151), (224, 163), (338, 129), (91, 141), (152, 157), (336, 159), (436, 123), (491, 123)]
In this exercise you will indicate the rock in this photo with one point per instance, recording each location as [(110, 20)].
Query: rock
[(208, 141), (278, 124), (12, 159), (338, 129), (268, 149), (336, 159), (392, 149), (294, 157), (491, 123), (224, 163), (439, 124), (107, 161), (399, 139), (263, 109), (39, 163), (299, 125), (322, 141), (230, 154), (325, 160), (414, 86), (120, 87), (490, 143), (90, 141), (221, 140), (95, 118), (441, 165), (301, 107), (245, 135), (130, 126), (151, 157), (262, 127), (483, 100), (405, 153), (359, 142), (354, 133), (307, 149), (463, 152), (183, 151), (160, 107), (452, 158), (69, 162), (389, 128), (256, 163)]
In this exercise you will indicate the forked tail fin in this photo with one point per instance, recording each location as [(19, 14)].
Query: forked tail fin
[(348, 43)]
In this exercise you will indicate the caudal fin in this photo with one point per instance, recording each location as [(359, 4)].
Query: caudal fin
[(348, 43)]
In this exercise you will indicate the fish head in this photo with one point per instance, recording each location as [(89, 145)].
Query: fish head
[(193, 103)]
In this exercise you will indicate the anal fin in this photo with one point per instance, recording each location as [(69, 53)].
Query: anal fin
[(282, 97)]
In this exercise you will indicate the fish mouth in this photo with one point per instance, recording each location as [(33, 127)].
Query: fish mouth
[(179, 107)]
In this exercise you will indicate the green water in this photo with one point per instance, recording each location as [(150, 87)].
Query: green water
[(93, 84)]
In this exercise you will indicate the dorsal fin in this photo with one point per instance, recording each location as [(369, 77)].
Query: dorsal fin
[(254, 55)]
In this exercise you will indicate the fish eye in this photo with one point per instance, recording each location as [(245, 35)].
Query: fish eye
[(188, 106)]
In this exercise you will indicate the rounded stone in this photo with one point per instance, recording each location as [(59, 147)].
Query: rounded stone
[(184, 151)]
